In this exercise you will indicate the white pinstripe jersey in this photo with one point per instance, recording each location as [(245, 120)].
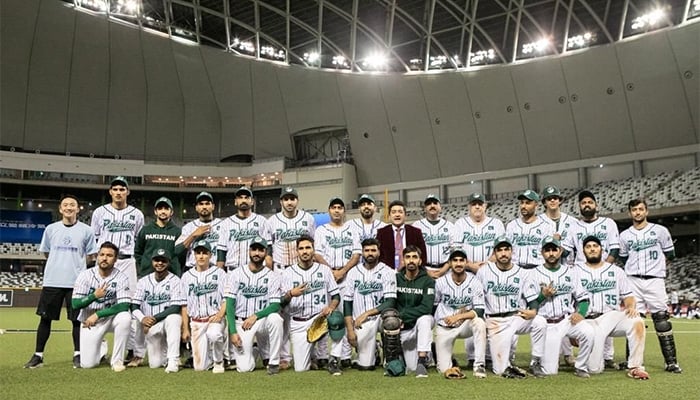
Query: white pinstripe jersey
[(369, 287), (235, 235), (154, 297), (439, 238), (253, 291), (117, 226), (477, 239), (285, 231), (607, 286), (336, 244), (203, 291), (450, 297), (321, 286), (212, 238), (506, 291), (90, 280), (527, 239), (568, 289), (563, 225), (645, 248), (603, 228), (365, 231)]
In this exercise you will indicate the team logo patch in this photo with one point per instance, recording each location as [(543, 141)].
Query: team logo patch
[(66, 241), (538, 231), (215, 278), (265, 281), (652, 233), (319, 275), (516, 280), (611, 273), (303, 223), (491, 228), (568, 279), (132, 217), (114, 284)]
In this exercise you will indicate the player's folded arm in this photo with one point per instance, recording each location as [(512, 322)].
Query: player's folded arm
[(174, 309), (270, 309), (114, 310)]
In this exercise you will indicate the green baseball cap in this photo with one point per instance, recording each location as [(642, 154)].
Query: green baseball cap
[(336, 200), (365, 198), (336, 325), (431, 197), (502, 239), (204, 196), (550, 240), (550, 191), (289, 191), (163, 200), (476, 197), (161, 253), (243, 190), (202, 244), (258, 242), (529, 195), (119, 181), (458, 251)]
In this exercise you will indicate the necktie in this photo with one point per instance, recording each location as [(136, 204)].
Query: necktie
[(398, 248)]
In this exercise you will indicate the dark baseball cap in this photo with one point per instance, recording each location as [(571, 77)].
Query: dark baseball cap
[(163, 200), (477, 198), (550, 240), (161, 253), (202, 244), (119, 181), (205, 196), (336, 325), (431, 197), (458, 251), (365, 198), (586, 193), (258, 242), (289, 191), (529, 195), (243, 190), (336, 200), (502, 239), (550, 191), (591, 238)]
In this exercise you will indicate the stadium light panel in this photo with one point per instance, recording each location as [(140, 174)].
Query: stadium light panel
[(648, 20), (482, 57), (580, 41), (539, 46), (375, 61)]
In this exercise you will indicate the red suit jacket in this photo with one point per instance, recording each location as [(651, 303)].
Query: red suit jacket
[(386, 237)]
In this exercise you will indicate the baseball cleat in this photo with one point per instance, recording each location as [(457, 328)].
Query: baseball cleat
[(611, 364), (514, 373), (76, 361), (675, 368), (118, 367), (479, 372), (334, 368), (218, 368), (230, 364), (536, 370), (569, 360), (34, 362), (284, 364), (421, 371), (346, 363), (638, 373), (135, 362), (172, 367), (273, 369), (581, 373)]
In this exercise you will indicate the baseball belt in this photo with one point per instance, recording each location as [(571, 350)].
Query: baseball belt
[(124, 256), (646, 277), (502, 315), (302, 319), (555, 320), (594, 315), (528, 266)]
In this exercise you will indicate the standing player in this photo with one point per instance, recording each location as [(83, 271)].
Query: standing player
[(560, 290), (336, 245), (551, 199), (526, 233), (415, 296), (397, 236), (590, 223), (102, 295), (459, 298), (645, 248), (288, 225), (371, 289), (477, 231), (506, 286), (157, 305), (119, 223), (365, 227), (309, 291), (607, 285), (159, 234), (205, 227), (439, 235), (238, 231), (203, 287), (67, 244), (253, 303)]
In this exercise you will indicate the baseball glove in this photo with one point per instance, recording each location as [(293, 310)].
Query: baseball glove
[(454, 373), (317, 329)]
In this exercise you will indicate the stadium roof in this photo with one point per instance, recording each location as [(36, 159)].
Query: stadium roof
[(397, 35)]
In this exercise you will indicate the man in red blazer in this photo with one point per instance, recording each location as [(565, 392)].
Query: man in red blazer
[(407, 235)]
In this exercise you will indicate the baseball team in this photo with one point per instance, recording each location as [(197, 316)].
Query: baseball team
[(400, 295)]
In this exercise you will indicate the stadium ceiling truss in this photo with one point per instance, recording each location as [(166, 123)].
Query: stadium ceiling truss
[(396, 35)]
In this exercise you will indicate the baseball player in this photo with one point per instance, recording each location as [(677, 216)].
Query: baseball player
[(102, 295), (365, 227), (157, 306), (371, 289), (162, 233), (645, 248), (591, 224), (119, 223), (238, 231), (203, 288), (205, 227), (560, 290), (607, 285), (253, 303), (477, 231), (67, 244), (439, 235), (459, 313), (551, 200), (526, 233), (309, 291), (415, 296), (506, 286)]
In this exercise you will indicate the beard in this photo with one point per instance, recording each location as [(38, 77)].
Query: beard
[(594, 259), (588, 212)]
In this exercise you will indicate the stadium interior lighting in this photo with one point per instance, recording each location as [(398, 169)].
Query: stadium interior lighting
[(456, 60), (127, 7), (482, 57), (696, 5), (271, 52), (694, 10), (536, 47), (312, 57), (375, 61), (243, 45), (340, 62), (95, 5), (437, 61), (580, 41), (648, 20)]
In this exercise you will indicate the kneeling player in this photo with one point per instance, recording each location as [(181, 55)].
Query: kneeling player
[(102, 296), (156, 305), (459, 298), (203, 287)]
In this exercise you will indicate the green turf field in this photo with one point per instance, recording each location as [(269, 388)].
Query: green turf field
[(58, 380)]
